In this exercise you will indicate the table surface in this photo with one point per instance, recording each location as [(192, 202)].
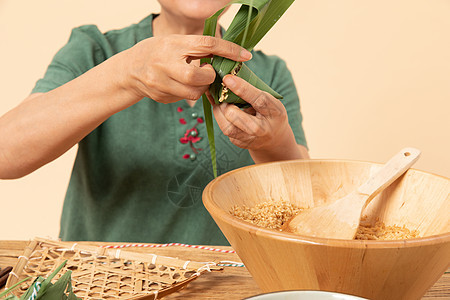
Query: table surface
[(231, 283)]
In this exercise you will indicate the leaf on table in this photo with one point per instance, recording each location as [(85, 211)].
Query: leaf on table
[(46, 290)]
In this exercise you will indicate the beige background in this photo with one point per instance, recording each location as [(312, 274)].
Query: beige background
[(373, 76)]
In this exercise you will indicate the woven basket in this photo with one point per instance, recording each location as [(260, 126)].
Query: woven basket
[(100, 273)]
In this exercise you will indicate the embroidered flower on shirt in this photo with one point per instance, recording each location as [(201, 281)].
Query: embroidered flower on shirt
[(191, 135)]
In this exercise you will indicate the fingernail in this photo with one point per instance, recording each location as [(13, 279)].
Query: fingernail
[(245, 54), (229, 81)]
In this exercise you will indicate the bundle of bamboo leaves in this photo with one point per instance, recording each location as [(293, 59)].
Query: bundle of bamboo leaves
[(42, 288), (253, 20)]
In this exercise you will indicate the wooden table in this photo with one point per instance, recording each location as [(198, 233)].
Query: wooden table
[(232, 283)]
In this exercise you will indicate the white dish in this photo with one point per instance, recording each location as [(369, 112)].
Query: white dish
[(304, 295)]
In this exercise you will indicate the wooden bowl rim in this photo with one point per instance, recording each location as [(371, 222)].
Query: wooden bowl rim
[(298, 239)]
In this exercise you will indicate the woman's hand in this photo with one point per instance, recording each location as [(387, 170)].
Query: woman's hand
[(263, 129), (166, 69)]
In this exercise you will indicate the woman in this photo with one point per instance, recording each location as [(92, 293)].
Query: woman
[(128, 98)]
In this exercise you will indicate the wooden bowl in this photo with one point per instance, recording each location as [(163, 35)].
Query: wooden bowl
[(403, 269)]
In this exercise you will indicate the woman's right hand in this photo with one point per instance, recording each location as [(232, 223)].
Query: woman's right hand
[(167, 69)]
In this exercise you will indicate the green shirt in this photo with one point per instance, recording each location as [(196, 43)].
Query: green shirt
[(139, 176)]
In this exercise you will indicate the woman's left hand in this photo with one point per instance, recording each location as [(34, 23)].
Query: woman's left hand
[(263, 129)]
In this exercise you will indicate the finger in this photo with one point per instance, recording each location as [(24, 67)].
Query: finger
[(193, 75), (225, 126), (182, 91), (220, 118), (162, 97), (202, 46), (262, 102), (245, 144), (240, 119)]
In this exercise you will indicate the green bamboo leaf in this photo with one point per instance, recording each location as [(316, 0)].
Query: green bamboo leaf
[(210, 29), (29, 292), (253, 20), (47, 290), (58, 289), (47, 283), (267, 18), (247, 74), (9, 290), (210, 129)]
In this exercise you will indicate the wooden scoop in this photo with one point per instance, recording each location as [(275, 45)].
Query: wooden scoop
[(340, 219)]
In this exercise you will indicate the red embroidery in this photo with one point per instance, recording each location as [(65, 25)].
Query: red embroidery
[(191, 136), (179, 109)]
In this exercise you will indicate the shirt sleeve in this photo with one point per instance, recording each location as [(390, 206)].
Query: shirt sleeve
[(81, 53), (283, 83)]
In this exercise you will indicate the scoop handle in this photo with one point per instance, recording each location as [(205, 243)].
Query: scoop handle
[(392, 170)]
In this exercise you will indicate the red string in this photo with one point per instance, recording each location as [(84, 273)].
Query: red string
[(167, 245)]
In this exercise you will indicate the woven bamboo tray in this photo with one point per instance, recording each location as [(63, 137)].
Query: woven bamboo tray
[(100, 273)]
